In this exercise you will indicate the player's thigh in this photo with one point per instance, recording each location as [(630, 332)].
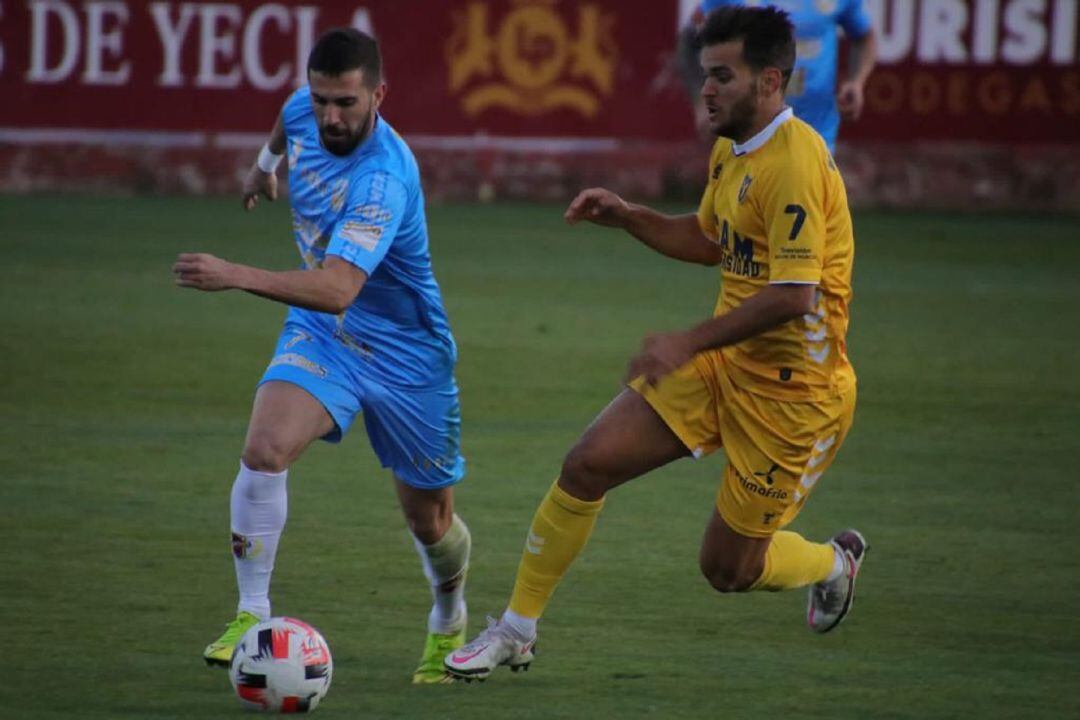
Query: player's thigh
[(777, 452), (306, 392), (627, 439), (285, 419)]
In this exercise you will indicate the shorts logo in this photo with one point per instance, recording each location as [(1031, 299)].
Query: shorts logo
[(299, 336), (768, 474), (355, 345), (765, 492), (245, 548), (299, 361)]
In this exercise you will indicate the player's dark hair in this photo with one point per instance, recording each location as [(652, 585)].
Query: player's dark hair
[(343, 49), (767, 34)]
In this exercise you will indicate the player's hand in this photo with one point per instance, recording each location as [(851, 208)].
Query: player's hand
[(258, 183), (204, 272), (661, 355), (599, 206), (849, 100)]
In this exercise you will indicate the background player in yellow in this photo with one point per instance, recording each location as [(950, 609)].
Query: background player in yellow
[(767, 377)]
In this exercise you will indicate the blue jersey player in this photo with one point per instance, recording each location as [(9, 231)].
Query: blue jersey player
[(812, 92), (365, 332)]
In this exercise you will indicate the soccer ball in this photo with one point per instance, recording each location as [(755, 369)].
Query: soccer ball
[(281, 665)]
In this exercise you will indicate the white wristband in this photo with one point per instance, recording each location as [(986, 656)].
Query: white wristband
[(268, 161)]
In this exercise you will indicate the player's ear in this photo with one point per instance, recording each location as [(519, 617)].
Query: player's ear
[(379, 94), (770, 80)]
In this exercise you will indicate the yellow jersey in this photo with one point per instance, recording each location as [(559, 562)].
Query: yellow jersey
[(777, 206)]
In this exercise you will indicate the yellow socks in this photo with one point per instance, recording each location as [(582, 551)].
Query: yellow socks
[(793, 562), (559, 531)]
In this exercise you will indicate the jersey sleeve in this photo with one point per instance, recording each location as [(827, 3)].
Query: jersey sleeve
[(793, 206), (854, 18), (365, 232)]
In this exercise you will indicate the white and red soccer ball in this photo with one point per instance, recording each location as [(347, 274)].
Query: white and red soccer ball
[(281, 665)]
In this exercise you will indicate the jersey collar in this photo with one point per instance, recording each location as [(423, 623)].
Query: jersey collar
[(763, 137)]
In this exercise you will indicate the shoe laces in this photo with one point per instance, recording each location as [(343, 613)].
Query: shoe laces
[(235, 628), (494, 631)]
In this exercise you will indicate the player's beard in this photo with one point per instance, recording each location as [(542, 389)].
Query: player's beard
[(345, 144), (741, 117)]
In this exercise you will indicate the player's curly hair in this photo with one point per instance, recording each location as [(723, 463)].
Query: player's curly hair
[(767, 34), (340, 50)]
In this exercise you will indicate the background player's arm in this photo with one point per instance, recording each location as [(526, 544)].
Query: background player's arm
[(331, 288), (258, 182), (858, 26), (677, 236), (849, 96), (773, 305)]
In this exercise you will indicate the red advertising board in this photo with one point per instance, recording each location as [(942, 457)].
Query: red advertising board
[(1005, 71), (1000, 71), (455, 68)]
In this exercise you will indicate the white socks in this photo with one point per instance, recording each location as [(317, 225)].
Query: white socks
[(259, 506), (445, 566)]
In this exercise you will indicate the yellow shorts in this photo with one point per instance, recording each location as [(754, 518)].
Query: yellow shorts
[(777, 450)]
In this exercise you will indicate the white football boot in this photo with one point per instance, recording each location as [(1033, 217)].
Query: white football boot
[(498, 645), (830, 601)]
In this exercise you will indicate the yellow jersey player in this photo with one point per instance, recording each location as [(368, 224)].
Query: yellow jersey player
[(767, 377)]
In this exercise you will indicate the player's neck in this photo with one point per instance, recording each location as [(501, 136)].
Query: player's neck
[(766, 116)]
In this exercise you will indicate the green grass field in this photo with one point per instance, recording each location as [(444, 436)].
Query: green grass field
[(124, 402)]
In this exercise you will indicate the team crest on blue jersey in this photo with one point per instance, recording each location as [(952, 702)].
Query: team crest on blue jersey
[(825, 7), (745, 187)]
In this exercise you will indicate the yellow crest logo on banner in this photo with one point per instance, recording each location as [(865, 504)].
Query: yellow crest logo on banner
[(532, 60)]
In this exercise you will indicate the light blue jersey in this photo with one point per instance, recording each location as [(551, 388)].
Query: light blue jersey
[(390, 356), (812, 89), (368, 209)]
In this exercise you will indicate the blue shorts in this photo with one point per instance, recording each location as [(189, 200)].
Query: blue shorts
[(414, 432)]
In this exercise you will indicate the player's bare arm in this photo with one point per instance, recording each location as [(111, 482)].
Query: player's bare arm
[(676, 236), (257, 182), (849, 96), (774, 305), (331, 288)]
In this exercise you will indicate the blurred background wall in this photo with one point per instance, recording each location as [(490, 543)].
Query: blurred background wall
[(974, 103)]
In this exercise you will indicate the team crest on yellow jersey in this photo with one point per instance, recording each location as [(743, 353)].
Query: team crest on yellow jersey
[(745, 187)]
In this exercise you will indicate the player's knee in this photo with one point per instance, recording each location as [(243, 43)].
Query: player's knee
[(428, 516), (265, 454), (428, 526), (727, 578), (583, 473)]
